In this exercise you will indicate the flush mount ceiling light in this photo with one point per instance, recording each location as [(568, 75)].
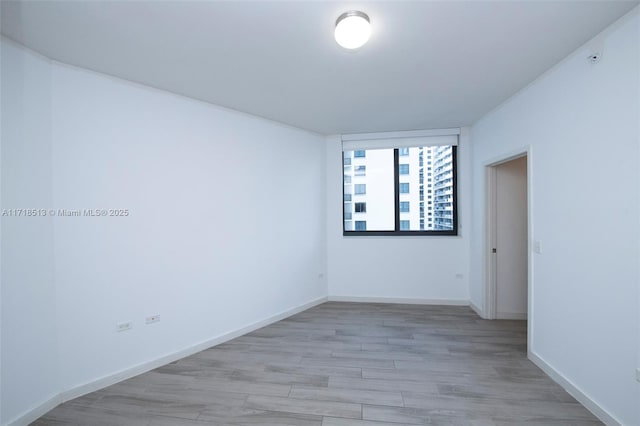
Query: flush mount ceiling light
[(352, 29)]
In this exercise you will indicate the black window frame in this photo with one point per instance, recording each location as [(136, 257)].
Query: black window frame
[(396, 178)]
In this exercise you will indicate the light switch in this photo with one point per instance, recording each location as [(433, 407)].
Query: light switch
[(537, 246)]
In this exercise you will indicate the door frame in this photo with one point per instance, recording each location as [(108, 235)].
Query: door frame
[(490, 261)]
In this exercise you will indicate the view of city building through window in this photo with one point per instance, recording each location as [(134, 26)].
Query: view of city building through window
[(426, 189)]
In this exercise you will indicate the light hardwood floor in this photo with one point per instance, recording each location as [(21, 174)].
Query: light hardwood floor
[(342, 364)]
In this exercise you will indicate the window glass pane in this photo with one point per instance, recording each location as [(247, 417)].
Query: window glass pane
[(441, 187), (404, 206), (403, 169), (348, 211), (404, 225), (372, 189)]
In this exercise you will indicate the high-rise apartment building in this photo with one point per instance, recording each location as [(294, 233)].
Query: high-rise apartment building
[(443, 188)]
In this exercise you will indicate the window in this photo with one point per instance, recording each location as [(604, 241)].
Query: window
[(347, 211), (385, 189), (347, 179)]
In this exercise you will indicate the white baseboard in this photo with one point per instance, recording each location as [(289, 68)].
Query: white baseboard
[(475, 309), (511, 316), (584, 399), (35, 413), (102, 382), (400, 300)]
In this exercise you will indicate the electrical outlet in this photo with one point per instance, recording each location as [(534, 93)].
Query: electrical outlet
[(124, 326), (152, 319)]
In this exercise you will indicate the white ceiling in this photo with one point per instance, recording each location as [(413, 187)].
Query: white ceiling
[(432, 64)]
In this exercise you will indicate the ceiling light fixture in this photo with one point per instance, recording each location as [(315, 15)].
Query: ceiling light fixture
[(353, 29)]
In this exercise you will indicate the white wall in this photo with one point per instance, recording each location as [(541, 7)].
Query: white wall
[(29, 344), (225, 228), (419, 269), (226, 224), (581, 122), (511, 239)]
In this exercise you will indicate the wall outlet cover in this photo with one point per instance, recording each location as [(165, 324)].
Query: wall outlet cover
[(152, 319), (124, 326)]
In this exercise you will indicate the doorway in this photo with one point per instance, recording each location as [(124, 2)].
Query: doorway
[(507, 201)]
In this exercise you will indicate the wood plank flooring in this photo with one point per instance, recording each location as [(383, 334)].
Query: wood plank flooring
[(345, 364)]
